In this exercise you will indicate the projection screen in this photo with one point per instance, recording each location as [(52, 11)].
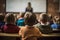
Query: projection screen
[(20, 5)]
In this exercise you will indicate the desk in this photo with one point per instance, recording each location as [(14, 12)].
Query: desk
[(9, 35), (52, 36), (43, 35)]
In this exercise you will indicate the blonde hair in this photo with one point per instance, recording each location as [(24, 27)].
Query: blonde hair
[(29, 19), (20, 15), (27, 14)]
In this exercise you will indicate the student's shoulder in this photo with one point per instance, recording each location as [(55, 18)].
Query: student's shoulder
[(37, 25), (36, 29), (22, 28)]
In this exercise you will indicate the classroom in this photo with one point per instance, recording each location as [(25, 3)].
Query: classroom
[(29, 19)]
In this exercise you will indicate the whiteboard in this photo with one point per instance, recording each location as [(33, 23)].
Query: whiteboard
[(20, 5)]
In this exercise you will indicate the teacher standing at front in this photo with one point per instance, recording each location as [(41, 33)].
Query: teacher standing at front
[(29, 8)]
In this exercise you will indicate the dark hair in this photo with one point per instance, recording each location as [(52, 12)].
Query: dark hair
[(30, 20), (29, 3), (2, 18), (10, 18)]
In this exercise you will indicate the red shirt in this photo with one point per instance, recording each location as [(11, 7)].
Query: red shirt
[(10, 28)]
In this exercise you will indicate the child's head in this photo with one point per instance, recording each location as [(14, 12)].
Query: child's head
[(27, 14), (2, 18), (44, 18), (56, 19), (50, 17), (9, 18), (20, 15), (29, 19)]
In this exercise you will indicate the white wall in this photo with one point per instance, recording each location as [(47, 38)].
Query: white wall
[(20, 5)]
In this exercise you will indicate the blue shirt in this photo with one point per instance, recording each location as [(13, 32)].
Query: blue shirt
[(55, 26), (20, 22), (1, 24)]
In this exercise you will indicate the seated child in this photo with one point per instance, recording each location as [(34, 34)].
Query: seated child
[(20, 20), (43, 24), (50, 19), (56, 24), (10, 26), (29, 30), (1, 21)]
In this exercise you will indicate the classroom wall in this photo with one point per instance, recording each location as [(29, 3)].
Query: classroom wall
[(53, 7), (2, 6)]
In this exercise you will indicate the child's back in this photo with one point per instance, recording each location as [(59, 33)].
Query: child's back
[(1, 20), (44, 24), (56, 24), (20, 20), (29, 32), (10, 26), (44, 28)]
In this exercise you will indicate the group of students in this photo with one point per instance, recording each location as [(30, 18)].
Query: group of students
[(32, 28)]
